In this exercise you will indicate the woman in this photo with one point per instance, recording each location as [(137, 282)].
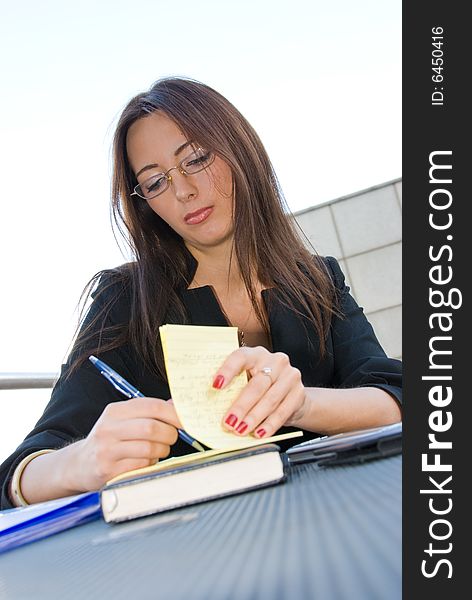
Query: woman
[(203, 213)]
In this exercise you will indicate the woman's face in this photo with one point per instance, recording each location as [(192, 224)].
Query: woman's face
[(199, 207)]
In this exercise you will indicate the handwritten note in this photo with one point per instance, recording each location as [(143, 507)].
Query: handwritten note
[(192, 355)]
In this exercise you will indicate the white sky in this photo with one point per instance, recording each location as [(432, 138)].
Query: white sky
[(319, 81)]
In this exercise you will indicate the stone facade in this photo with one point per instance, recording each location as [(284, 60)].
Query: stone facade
[(364, 232)]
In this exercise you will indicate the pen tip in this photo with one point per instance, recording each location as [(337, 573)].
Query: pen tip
[(93, 359)]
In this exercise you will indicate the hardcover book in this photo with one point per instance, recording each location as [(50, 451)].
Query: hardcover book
[(194, 478)]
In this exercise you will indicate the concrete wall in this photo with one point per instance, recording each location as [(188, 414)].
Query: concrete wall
[(363, 231)]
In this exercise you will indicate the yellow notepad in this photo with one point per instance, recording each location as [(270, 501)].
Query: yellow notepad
[(192, 355)]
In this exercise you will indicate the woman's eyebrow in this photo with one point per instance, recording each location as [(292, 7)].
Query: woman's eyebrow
[(154, 165), (182, 147)]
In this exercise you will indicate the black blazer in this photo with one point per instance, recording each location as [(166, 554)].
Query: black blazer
[(354, 359)]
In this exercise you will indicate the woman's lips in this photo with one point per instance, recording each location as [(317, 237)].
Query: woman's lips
[(198, 216)]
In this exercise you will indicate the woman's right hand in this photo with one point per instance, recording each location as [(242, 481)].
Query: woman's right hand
[(128, 435)]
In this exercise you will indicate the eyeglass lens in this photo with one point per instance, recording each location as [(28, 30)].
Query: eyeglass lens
[(195, 162)]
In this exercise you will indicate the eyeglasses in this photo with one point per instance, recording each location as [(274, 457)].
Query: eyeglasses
[(157, 184)]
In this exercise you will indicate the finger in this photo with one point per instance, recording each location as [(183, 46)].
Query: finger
[(280, 415), (252, 413), (129, 464), (171, 414), (151, 430), (242, 359), (252, 393), (139, 449), (143, 407)]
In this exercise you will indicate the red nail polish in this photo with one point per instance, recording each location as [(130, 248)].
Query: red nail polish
[(231, 420), (261, 432), (218, 382), (241, 428)]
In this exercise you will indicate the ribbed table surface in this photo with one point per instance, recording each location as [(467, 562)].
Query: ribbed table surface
[(328, 534)]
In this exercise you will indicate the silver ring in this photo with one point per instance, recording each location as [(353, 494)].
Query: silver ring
[(267, 371)]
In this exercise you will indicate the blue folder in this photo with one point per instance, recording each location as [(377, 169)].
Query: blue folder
[(19, 526)]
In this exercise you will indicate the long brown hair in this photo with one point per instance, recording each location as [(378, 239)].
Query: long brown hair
[(266, 240)]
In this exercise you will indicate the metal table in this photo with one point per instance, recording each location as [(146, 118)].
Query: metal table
[(325, 534)]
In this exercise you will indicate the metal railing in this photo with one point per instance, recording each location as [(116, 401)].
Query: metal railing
[(27, 381)]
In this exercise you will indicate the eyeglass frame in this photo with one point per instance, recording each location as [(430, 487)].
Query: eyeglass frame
[(169, 178)]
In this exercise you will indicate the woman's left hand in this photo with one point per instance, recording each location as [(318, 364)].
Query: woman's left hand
[(274, 395)]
